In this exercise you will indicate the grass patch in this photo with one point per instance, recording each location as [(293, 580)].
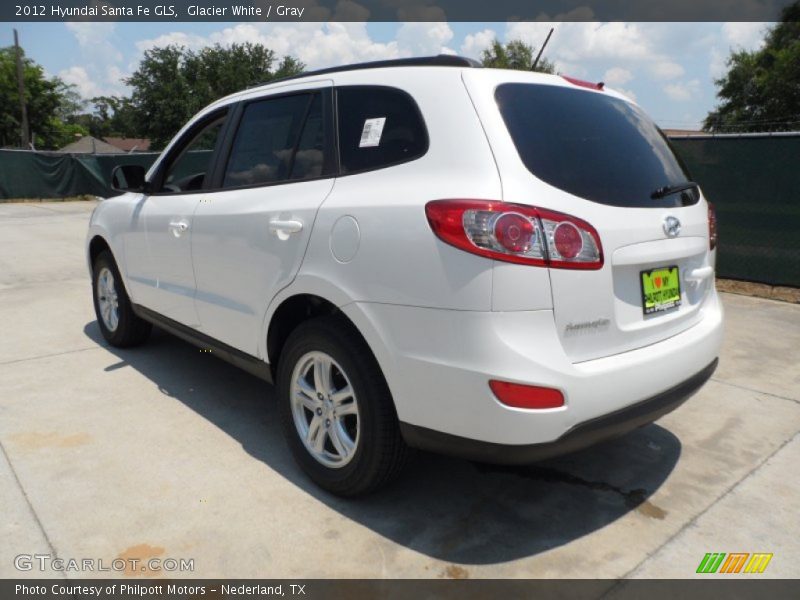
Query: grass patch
[(81, 198), (760, 290)]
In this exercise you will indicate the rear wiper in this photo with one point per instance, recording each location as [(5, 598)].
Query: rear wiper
[(673, 189)]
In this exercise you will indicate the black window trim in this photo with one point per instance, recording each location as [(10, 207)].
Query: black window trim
[(386, 165), (208, 182), (233, 114), (328, 123)]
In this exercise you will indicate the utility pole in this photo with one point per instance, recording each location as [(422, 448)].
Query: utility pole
[(23, 128)]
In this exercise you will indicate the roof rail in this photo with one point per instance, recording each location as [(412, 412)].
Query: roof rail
[(440, 60)]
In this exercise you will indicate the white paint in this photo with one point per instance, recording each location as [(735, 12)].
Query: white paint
[(441, 322)]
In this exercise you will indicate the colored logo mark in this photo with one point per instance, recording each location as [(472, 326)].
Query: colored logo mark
[(734, 562)]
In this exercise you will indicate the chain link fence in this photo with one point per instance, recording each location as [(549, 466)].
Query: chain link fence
[(753, 180), (28, 174)]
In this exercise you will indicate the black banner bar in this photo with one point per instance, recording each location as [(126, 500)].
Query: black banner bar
[(391, 10), (732, 587)]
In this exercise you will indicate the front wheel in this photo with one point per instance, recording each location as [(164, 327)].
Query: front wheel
[(336, 410), (118, 323)]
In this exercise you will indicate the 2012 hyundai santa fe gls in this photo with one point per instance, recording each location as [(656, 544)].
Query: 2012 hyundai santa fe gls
[(494, 264)]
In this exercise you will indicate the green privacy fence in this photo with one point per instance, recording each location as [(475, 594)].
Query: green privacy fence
[(753, 180), (55, 175)]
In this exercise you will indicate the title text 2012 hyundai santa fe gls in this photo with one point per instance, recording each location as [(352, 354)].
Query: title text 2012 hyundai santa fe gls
[(493, 264)]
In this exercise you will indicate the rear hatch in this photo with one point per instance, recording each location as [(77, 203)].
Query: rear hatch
[(594, 155)]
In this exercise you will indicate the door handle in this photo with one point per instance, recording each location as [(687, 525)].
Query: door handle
[(284, 228), (178, 228)]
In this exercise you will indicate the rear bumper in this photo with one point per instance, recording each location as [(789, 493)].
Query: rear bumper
[(438, 364), (580, 436)]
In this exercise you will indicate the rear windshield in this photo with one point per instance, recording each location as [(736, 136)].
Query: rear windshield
[(592, 145)]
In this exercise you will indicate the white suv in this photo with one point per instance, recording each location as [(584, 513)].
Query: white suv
[(499, 265)]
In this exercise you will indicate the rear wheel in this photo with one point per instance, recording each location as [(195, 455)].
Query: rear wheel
[(336, 410), (118, 324)]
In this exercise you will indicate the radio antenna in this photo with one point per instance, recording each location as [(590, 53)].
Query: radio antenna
[(538, 56)]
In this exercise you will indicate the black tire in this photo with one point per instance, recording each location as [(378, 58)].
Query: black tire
[(130, 329), (380, 453)]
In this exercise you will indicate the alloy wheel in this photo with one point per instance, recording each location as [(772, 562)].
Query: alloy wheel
[(325, 409)]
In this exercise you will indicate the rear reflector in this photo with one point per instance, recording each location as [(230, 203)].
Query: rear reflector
[(526, 396)]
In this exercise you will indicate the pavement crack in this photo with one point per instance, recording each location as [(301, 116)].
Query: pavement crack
[(632, 498), (694, 519), (29, 504), (19, 360), (755, 391), (47, 208)]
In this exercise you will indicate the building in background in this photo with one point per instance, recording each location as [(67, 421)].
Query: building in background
[(90, 145), (112, 145), (130, 144)]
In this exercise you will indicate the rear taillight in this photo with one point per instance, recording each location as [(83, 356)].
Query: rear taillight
[(526, 396), (516, 233), (712, 226)]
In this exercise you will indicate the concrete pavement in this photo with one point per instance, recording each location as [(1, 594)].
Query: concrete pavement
[(162, 451)]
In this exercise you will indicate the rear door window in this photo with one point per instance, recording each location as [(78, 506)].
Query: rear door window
[(310, 157), (592, 145), (378, 127), (279, 139)]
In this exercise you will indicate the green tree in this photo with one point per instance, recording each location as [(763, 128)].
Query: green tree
[(172, 83), (65, 126), (116, 114), (49, 103), (761, 90), (516, 54), (61, 133), (112, 116)]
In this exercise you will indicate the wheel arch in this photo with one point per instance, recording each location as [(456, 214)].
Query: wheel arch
[(299, 303), (98, 240), (295, 310), (287, 316), (96, 245)]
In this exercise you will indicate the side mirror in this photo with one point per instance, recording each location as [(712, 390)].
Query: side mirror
[(128, 178)]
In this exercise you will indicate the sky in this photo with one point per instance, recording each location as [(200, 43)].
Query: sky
[(668, 68)]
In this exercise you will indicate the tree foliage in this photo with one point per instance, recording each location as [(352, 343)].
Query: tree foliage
[(112, 116), (172, 83), (515, 54), (49, 103), (761, 90)]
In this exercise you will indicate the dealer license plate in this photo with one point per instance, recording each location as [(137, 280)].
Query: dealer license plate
[(661, 289)]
